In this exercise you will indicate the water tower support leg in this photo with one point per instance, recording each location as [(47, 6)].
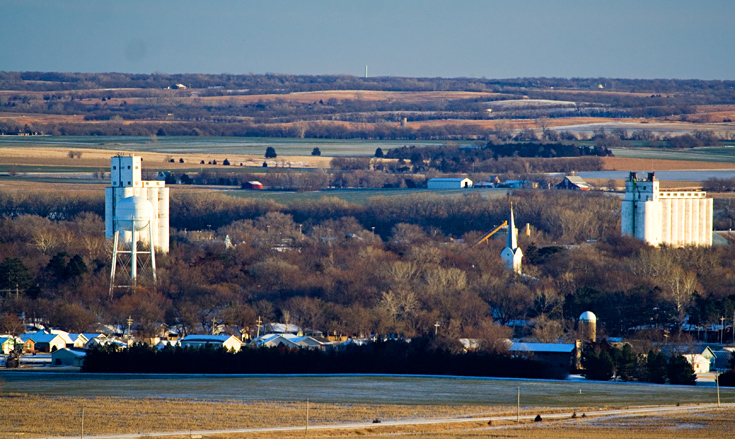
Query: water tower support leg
[(115, 239), (152, 250), (133, 257)]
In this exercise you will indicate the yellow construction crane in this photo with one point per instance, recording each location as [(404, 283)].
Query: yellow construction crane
[(486, 237)]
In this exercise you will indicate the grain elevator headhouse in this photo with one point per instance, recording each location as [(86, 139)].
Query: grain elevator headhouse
[(671, 217), (136, 219)]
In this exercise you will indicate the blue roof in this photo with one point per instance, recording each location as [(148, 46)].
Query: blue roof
[(542, 347), (39, 337)]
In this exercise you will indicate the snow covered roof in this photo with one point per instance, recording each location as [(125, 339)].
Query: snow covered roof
[(282, 328), (542, 347), (40, 337), (73, 352), (450, 179), (221, 338)]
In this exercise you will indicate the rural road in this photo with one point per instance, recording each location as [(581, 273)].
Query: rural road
[(632, 411)]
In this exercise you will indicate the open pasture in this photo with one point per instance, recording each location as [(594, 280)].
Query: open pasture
[(219, 146), (371, 389)]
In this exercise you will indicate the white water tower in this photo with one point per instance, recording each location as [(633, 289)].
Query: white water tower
[(136, 215)]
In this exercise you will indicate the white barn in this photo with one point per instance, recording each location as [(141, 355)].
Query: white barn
[(449, 183)]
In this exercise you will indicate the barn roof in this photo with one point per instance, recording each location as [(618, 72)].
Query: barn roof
[(450, 179)]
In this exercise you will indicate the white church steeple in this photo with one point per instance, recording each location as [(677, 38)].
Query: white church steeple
[(511, 254)]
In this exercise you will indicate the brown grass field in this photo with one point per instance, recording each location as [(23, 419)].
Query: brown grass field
[(100, 158), (28, 416)]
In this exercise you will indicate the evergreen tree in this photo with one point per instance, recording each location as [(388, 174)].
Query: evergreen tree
[(598, 366), (14, 275), (379, 153), (656, 368), (75, 267), (316, 151), (679, 371), (270, 153), (626, 362)]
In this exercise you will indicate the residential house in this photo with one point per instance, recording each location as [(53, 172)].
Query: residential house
[(699, 363), (7, 344), (101, 340), (44, 342), (29, 346), (229, 342), (273, 340), (700, 356), (68, 357)]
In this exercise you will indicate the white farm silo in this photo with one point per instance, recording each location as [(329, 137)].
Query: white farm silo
[(588, 326), (136, 214)]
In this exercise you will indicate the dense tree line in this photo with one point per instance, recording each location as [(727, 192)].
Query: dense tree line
[(518, 158), (421, 356), (603, 362)]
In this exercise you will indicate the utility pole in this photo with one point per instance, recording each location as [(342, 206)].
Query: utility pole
[(436, 328), (518, 407), (717, 383), (130, 322), (307, 416), (722, 328), (258, 322), (82, 436)]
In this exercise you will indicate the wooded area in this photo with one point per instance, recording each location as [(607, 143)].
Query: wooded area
[(318, 264)]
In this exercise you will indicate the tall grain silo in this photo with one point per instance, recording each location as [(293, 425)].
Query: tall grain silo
[(588, 326), (136, 218)]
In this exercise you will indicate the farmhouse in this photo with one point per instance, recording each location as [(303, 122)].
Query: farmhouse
[(573, 183), (229, 342), (68, 357), (449, 183)]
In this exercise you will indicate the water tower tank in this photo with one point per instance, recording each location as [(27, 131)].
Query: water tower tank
[(134, 212)]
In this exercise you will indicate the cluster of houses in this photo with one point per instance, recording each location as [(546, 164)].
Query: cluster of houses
[(570, 182), (69, 349)]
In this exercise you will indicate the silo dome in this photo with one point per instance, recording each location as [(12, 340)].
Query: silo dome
[(588, 316), (134, 212)]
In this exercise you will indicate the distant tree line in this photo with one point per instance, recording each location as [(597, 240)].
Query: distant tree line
[(420, 356), (50, 81)]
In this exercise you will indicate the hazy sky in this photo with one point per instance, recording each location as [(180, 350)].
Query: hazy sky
[(493, 39)]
